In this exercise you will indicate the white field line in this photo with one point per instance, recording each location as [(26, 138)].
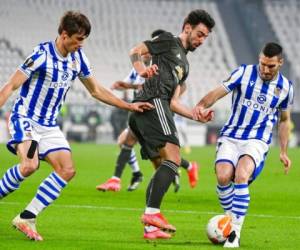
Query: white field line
[(167, 210)]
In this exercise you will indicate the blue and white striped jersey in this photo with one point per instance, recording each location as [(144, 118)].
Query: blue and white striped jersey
[(134, 78), (255, 103), (50, 77)]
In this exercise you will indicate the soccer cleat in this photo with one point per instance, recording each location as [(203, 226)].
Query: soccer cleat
[(193, 174), (110, 185), (159, 221), (232, 241), (156, 234), (176, 183), (27, 227), (136, 179)]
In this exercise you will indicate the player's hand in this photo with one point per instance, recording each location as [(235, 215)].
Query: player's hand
[(202, 115), (141, 106), (118, 86), (286, 162), (150, 71)]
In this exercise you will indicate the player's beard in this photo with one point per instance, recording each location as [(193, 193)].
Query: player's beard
[(190, 46)]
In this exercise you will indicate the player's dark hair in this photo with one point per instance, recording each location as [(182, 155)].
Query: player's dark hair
[(157, 32), (199, 16), (74, 22), (272, 49)]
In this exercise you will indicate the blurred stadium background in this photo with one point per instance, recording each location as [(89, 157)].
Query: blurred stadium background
[(242, 27)]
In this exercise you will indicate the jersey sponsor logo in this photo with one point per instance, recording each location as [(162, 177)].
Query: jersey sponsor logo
[(258, 106), (57, 85), (178, 56), (261, 99)]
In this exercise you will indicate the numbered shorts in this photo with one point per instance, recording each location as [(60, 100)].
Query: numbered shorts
[(231, 150), (154, 128), (49, 139)]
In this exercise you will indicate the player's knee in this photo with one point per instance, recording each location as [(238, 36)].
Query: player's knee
[(223, 179), (29, 166), (67, 173), (241, 178)]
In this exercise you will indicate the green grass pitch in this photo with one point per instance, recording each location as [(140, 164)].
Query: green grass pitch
[(83, 218)]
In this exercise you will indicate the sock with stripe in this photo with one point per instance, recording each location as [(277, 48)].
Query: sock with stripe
[(123, 158), (133, 162), (240, 206), (10, 181), (225, 194), (47, 193), (161, 181)]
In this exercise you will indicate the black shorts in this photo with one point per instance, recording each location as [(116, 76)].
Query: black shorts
[(154, 128)]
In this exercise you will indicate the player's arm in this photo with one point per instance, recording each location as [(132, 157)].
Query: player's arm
[(179, 108), (14, 82), (121, 85), (283, 133), (201, 109), (103, 94), (136, 54)]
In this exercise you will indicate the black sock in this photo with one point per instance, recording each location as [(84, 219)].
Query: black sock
[(184, 163), (148, 190), (122, 160), (161, 181), (27, 215)]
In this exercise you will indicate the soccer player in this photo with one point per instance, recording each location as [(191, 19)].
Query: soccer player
[(261, 97), (45, 78), (156, 130), (127, 140)]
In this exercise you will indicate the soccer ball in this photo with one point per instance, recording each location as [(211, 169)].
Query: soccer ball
[(218, 228)]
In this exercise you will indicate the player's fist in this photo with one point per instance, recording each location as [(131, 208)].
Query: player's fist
[(141, 106), (202, 115), (150, 71)]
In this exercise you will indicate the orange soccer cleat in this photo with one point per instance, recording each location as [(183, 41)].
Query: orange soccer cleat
[(193, 174), (27, 227), (156, 233), (159, 221), (111, 184)]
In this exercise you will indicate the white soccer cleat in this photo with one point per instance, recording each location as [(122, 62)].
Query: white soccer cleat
[(27, 227), (233, 241)]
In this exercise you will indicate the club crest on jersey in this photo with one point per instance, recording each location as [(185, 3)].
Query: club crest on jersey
[(74, 65), (179, 72), (65, 76), (261, 99), (277, 91)]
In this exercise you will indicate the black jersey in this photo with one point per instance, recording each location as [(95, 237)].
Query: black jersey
[(170, 56)]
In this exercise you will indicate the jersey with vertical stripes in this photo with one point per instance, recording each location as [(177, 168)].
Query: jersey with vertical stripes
[(134, 78), (50, 76), (256, 104)]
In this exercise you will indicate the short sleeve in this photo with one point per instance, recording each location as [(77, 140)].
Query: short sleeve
[(34, 61), (160, 44), (85, 68), (288, 101), (234, 79), (130, 78)]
